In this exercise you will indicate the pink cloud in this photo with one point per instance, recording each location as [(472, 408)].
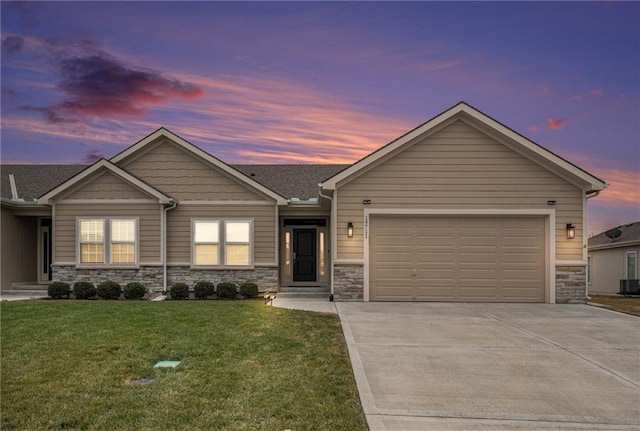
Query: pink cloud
[(556, 123), (597, 93), (534, 128)]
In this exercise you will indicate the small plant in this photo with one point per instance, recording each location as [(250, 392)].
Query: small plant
[(179, 291), (134, 290), (84, 290), (203, 289), (109, 290), (58, 290), (249, 290), (227, 290)]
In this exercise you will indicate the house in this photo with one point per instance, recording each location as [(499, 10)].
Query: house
[(461, 208), (613, 256)]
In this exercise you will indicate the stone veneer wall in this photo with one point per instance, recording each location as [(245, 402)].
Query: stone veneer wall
[(571, 284), (151, 276), (348, 283)]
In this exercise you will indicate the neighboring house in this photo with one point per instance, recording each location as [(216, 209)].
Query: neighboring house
[(613, 256), (461, 208)]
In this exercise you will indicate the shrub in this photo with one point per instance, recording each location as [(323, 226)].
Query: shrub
[(58, 290), (109, 290), (249, 290), (179, 291), (134, 290), (202, 289), (227, 290), (84, 290)]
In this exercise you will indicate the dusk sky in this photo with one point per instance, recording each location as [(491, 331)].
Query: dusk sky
[(323, 82)]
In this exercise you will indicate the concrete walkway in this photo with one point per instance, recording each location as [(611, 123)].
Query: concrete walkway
[(450, 366), (320, 305)]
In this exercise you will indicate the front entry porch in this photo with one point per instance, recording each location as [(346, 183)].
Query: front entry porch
[(304, 256)]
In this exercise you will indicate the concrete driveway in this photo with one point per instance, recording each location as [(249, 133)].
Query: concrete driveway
[(446, 366)]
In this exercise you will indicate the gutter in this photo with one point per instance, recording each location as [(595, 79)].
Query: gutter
[(589, 195), (333, 237), (173, 205)]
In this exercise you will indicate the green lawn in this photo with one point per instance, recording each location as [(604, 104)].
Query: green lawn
[(245, 366)]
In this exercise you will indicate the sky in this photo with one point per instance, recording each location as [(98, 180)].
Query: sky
[(323, 82)]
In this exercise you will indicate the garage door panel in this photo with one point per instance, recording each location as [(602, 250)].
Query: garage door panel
[(479, 258)]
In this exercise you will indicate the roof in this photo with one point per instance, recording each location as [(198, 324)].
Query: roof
[(467, 112), (629, 234), (32, 181), (291, 181)]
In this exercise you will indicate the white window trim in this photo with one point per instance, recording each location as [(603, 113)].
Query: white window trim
[(626, 264), (107, 244), (222, 243)]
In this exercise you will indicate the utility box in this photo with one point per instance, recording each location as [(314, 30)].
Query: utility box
[(630, 287)]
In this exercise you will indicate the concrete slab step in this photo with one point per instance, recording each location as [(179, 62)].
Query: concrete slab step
[(21, 287), (304, 292)]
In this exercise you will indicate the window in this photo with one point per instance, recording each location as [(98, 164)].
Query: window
[(321, 257), (92, 241), (102, 238), (222, 242), (237, 243), (631, 261), (206, 243)]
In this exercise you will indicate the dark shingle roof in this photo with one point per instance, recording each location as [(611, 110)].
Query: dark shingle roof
[(291, 181), (32, 181), (628, 233)]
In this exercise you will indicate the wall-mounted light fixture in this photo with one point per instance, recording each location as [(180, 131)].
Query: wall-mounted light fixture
[(350, 230), (571, 231)]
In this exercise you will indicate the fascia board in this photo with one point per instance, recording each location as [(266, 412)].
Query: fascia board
[(459, 110), (330, 184), (104, 164), (162, 132)]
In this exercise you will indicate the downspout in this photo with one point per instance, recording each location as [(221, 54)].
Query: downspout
[(333, 239), (174, 204), (587, 197)]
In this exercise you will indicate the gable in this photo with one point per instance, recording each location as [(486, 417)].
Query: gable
[(184, 176), (205, 178), (572, 173), (455, 164), (106, 186), (95, 171)]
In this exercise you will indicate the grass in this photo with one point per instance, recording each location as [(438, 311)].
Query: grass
[(245, 366), (623, 304)]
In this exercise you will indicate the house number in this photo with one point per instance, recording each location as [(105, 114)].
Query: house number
[(366, 227)]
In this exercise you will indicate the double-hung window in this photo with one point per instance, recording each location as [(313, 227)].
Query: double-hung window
[(222, 243), (107, 241)]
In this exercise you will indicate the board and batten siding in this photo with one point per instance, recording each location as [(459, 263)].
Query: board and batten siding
[(149, 225), (458, 167), (172, 170), (264, 229), (106, 186)]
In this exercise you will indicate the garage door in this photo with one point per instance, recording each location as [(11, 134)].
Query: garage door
[(474, 259)]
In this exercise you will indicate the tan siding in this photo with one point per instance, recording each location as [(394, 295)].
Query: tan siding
[(149, 225), (608, 268), (19, 250), (107, 186), (179, 228), (173, 171), (459, 167)]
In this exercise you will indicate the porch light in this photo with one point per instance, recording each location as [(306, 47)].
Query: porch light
[(350, 230), (571, 231)]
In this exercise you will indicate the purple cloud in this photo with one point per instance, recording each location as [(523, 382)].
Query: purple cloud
[(12, 45), (100, 86), (92, 157)]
